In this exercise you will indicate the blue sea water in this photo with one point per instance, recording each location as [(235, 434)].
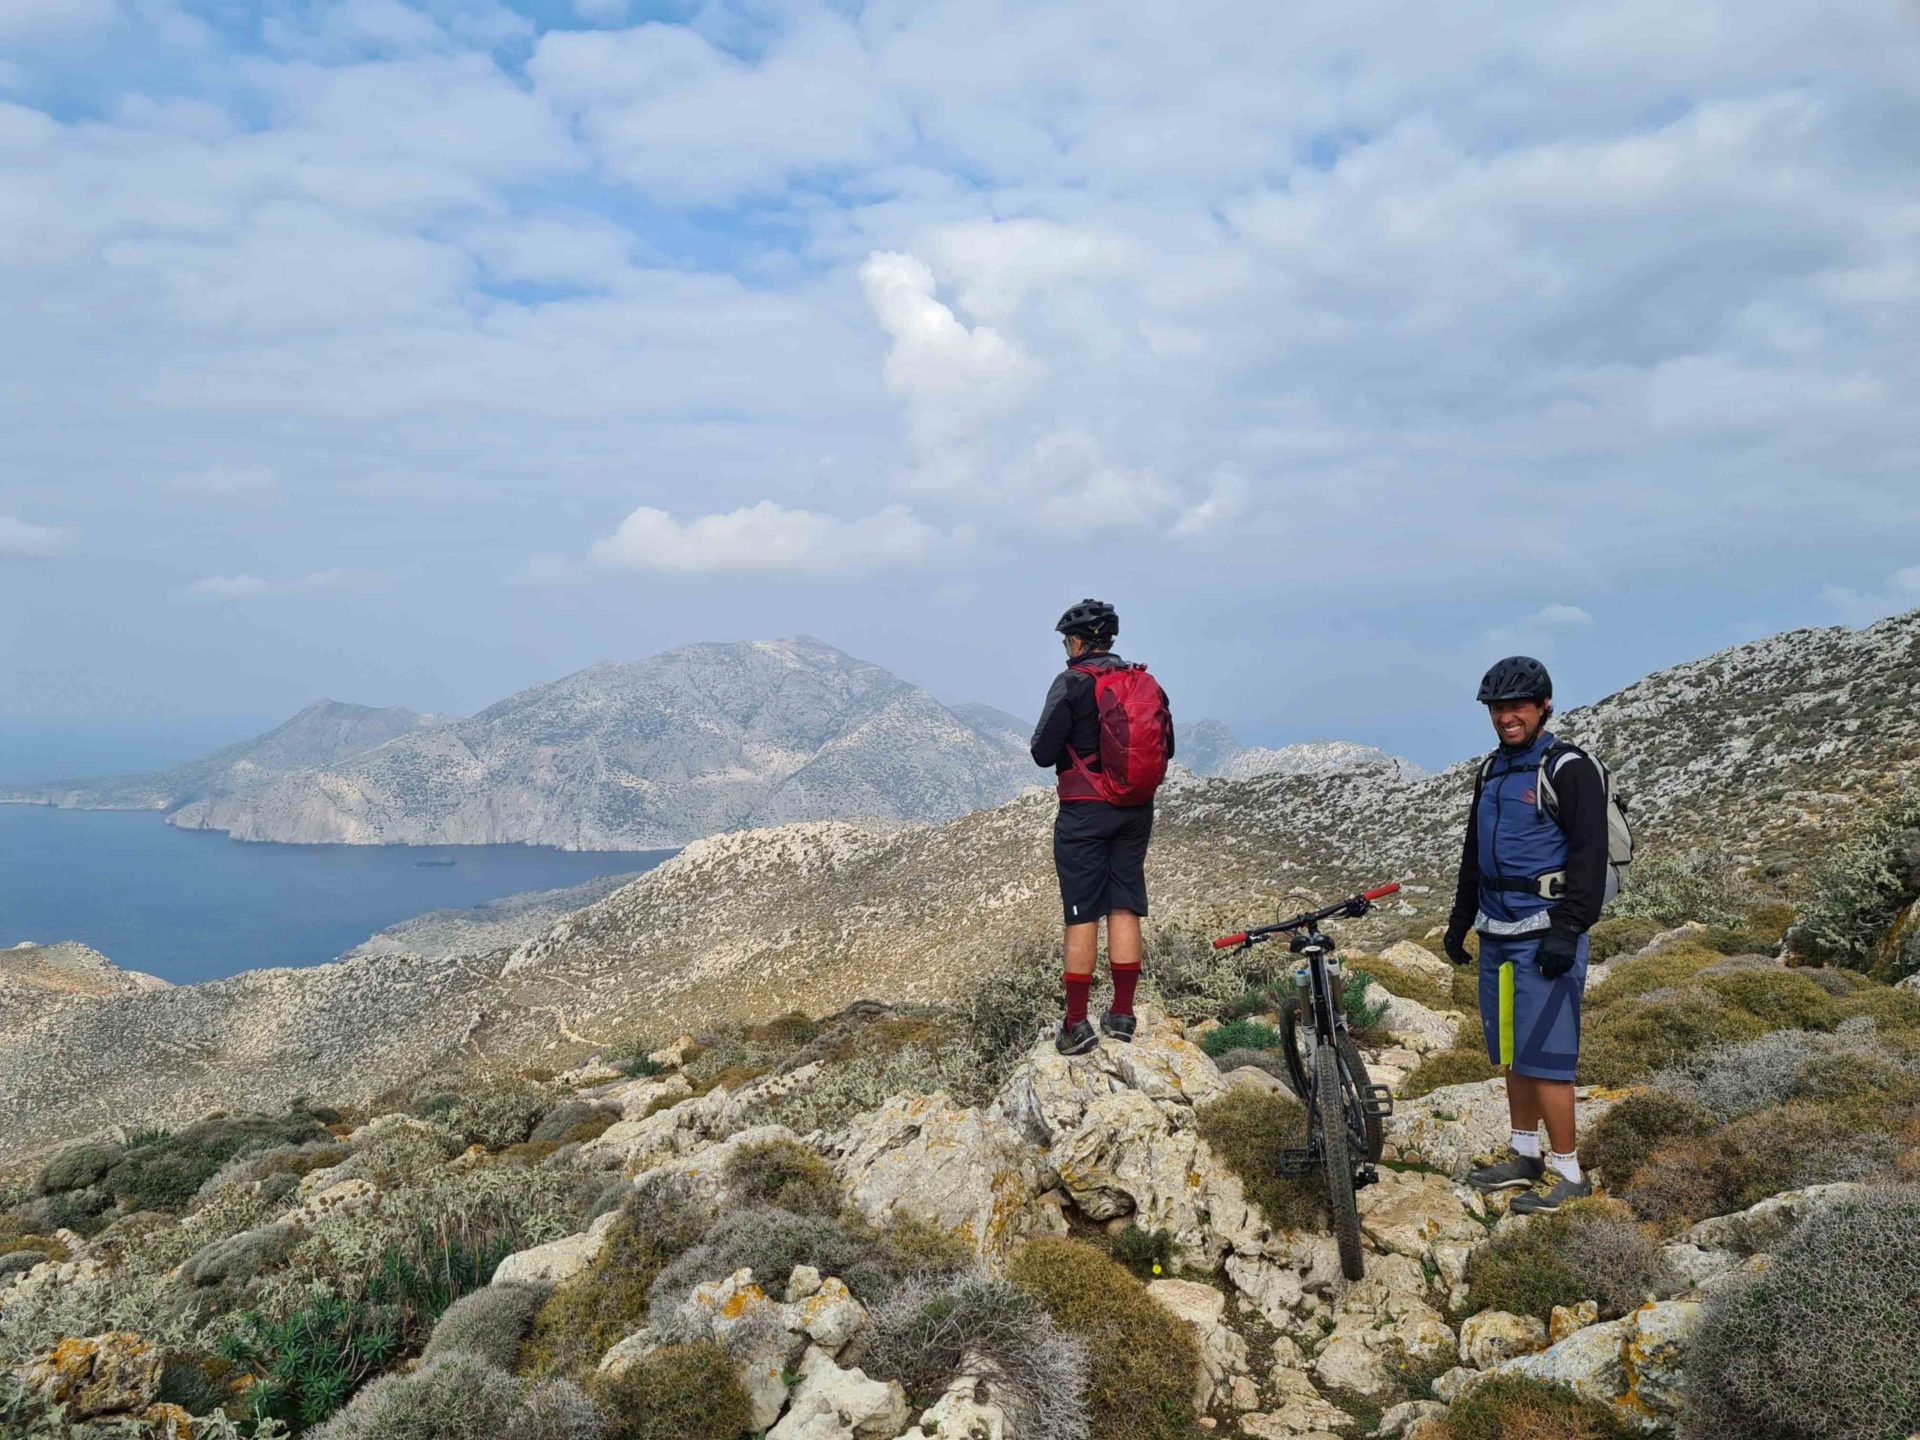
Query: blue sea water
[(191, 905)]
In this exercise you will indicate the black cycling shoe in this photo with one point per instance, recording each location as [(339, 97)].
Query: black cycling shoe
[(1120, 1027), (1076, 1039), (1517, 1172), (1563, 1191)]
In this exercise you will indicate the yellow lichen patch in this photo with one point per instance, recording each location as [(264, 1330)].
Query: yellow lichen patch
[(742, 1300)]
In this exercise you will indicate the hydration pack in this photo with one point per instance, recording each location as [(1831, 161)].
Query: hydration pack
[(1134, 727), (1547, 801)]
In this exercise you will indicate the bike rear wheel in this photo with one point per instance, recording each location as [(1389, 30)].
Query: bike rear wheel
[(1293, 1049), (1330, 1115)]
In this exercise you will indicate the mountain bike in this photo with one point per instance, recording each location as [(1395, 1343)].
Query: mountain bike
[(1345, 1110)]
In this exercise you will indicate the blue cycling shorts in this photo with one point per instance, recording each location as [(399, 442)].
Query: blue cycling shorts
[(1531, 1023)]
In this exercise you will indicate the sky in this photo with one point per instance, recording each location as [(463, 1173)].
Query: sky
[(415, 353)]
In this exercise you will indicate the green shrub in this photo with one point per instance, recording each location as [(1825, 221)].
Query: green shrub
[(1674, 887), (1144, 1360), (1513, 1407), (679, 1392), (930, 1331), (1621, 935), (1361, 999), (1779, 999), (239, 1258), (1889, 1009), (1673, 964), (1249, 1129), (1253, 1002), (594, 1310), (1785, 1147), (1240, 1035), (491, 1322), (197, 1383), (308, 1363), (1627, 1135), (1861, 892), (460, 1396), (1147, 1253), (165, 1174), (79, 1166), (562, 1120), (1820, 1343), (1627, 1042), (497, 1113), (1591, 1250), (786, 1174)]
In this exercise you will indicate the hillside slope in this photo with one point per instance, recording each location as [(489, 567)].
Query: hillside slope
[(325, 732), (656, 753), (1757, 751), (1208, 748)]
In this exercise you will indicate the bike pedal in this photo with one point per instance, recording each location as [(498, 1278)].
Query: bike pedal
[(1376, 1101), (1297, 1163), (1366, 1177)]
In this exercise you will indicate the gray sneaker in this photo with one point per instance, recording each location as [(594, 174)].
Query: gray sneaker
[(1118, 1027), (1517, 1172), (1076, 1039), (1563, 1191)]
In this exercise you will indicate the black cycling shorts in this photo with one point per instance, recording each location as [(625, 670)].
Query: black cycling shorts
[(1100, 852)]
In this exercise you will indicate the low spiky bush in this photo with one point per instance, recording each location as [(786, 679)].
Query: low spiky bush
[(1786, 1147), (1821, 1342), (1591, 1250), (1628, 1134), (1779, 999), (497, 1113), (770, 1242), (460, 1396), (853, 1084), (1144, 1360), (1672, 887), (570, 1116), (239, 1258), (1249, 1129), (1461, 1065), (679, 1392), (1629, 1041), (1512, 1407), (199, 1384), (1240, 1035), (930, 1331), (79, 1166), (165, 1174), (491, 1323), (1147, 1253), (1621, 935)]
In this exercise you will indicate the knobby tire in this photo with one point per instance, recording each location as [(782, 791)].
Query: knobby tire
[(1294, 1052), (1330, 1114)]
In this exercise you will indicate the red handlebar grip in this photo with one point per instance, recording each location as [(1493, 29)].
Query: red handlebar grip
[(1225, 940), (1384, 890)]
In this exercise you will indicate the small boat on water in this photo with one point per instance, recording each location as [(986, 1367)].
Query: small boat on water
[(439, 862)]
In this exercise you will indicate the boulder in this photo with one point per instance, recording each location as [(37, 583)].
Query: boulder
[(557, 1260), (967, 1171), (1632, 1365), (1697, 1265), (1566, 1319), (114, 1373), (963, 1413), (1401, 1419), (834, 1404), (1418, 1027), (1378, 1323), (704, 1166), (636, 1097), (1288, 1281), (1300, 1410), (1406, 955), (1049, 1094), (1496, 1335), (761, 1334), (1457, 1127), (1409, 1212), (1762, 1226), (1224, 1378)]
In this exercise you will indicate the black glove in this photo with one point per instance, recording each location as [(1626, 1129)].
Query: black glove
[(1456, 946), (1558, 950)]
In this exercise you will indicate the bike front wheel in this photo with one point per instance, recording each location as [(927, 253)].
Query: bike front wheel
[(1330, 1114)]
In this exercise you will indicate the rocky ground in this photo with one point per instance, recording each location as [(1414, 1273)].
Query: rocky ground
[(731, 1236)]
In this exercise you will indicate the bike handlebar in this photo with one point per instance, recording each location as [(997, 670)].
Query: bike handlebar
[(1354, 906)]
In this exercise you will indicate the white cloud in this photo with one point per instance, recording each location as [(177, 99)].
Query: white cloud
[(235, 588), (239, 483), (20, 539), (36, 19), (935, 358), (767, 537), (1900, 593), (1538, 632)]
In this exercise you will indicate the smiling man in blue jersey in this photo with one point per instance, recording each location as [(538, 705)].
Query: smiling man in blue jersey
[(1533, 876)]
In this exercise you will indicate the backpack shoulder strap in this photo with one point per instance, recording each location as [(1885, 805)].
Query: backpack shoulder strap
[(1546, 798)]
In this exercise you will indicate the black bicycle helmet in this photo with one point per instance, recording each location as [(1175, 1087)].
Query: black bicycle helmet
[(1091, 620), (1518, 677)]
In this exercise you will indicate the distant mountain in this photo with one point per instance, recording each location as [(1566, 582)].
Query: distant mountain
[(659, 752), (325, 732), (1208, 748), (1762, 753), (994, 725)]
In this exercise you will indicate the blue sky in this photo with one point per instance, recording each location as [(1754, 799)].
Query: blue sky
[(415, 353)]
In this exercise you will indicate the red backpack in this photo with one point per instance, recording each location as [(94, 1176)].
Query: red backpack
[(1134, 726)]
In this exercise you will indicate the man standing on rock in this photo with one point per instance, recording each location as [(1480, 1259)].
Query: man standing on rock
[(1532, 880), (1107, 731)]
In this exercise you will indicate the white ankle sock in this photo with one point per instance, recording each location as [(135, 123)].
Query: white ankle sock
[(1568, 1166), (1527, 1143)]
